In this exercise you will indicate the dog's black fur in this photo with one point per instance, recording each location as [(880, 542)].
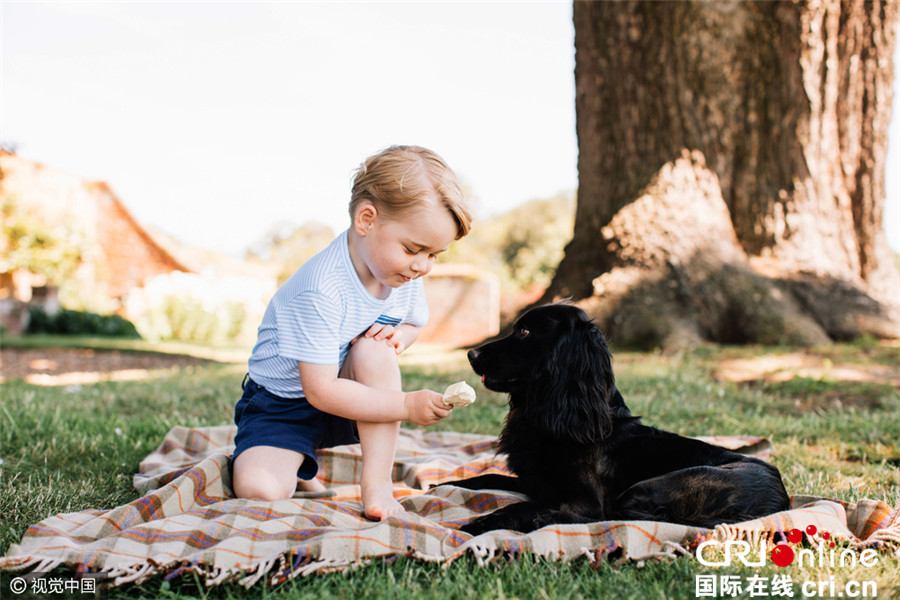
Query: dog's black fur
[(580, 456)]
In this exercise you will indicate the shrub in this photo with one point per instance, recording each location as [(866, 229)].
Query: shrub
[(76, 322)]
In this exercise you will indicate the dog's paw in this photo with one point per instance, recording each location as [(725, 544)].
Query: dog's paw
[(495, 521), (478, 526)]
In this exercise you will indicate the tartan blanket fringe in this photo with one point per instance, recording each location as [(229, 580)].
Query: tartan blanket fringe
[(187, 520)]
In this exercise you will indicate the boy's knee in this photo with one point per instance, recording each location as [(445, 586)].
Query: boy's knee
[(370, 362), (261, 485), (253, 475)]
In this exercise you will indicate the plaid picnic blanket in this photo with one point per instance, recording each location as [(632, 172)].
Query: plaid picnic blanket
[(188, 520)]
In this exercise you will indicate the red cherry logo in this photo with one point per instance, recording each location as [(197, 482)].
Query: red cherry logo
[(811, 530), (795, 536), (782, 555)]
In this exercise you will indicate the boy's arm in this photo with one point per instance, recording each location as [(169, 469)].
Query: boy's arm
[(409, 334), (353, 400)]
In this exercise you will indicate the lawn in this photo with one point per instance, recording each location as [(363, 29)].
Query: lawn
[(74, 447)]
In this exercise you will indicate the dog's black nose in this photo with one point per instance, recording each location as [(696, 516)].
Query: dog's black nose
[(472, 354)]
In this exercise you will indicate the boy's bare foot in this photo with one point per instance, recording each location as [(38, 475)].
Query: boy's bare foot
[(379, 502), (310, 485)]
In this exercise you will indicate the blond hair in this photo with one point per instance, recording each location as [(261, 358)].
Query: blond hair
[(403, 177)]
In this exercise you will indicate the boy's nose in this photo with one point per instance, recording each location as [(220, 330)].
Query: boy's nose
[(421, 266)]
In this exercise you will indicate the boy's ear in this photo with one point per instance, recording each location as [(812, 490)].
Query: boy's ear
[(365, 217)]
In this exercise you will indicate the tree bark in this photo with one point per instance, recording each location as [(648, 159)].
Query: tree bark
[(785, 106)]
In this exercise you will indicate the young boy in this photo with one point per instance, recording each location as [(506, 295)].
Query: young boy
[(324, 367)]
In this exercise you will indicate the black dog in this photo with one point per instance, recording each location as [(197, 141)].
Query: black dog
[(580, 456)]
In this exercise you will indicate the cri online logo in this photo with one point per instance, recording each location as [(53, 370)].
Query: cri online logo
[(783, 554)]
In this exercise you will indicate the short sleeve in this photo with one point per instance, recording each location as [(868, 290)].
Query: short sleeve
[(308, 329)]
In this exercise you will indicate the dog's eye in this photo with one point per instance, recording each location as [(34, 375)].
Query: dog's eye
[(523, 332)]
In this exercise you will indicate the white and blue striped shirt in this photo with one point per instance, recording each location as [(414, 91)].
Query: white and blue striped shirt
[(314, 315)]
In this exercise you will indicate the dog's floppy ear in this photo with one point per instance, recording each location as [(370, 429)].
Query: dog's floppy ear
[(570, 397)]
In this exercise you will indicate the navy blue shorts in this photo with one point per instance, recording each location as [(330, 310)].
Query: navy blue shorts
[(266, 419)]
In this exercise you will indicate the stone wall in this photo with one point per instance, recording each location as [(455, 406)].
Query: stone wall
[(464, 302)]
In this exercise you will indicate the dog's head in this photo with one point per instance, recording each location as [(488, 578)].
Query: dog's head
[(557, 369)]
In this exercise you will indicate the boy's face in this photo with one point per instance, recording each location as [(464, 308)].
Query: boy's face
[(397, 250)]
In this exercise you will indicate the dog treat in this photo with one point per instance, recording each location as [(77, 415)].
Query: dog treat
[(459, 394)]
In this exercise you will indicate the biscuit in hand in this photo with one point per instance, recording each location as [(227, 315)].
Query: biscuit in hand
[(459, 394)]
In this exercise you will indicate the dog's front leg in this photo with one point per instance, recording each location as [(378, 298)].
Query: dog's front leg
[(528, 516), (489, 482), (516, 517), (569, 513)]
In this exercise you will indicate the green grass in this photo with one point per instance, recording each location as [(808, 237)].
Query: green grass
[(72, 448)]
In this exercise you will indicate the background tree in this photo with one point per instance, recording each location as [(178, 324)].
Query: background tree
[(289, 246), (522, 246), (29, 244), (731, 171)]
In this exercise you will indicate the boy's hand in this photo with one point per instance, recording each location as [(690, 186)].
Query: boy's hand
[(425, 407), (386, 333)]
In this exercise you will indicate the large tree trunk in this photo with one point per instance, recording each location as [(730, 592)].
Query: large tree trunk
[(731, 164)]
